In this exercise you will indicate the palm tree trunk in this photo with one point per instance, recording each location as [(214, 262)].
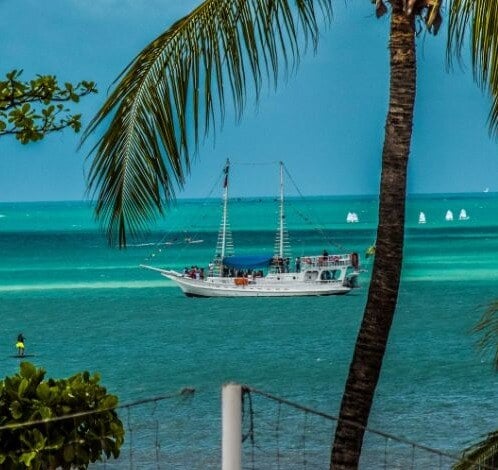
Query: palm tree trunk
[(383, 293)]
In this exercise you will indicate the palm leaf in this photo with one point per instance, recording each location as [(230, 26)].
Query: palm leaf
[(179, 81), (488, 328), (482, 18), (482, 455)]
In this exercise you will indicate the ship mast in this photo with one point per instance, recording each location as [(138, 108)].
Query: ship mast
[(282, 246), (224, 247), (225, 206), (282, 215)]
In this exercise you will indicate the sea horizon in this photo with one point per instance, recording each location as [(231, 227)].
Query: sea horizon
[(256, 196)]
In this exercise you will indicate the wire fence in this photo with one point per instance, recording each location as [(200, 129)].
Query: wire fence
[(173, 432), (182, 431), (279, 434)]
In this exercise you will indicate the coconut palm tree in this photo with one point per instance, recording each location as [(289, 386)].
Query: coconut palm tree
[(173, 91)]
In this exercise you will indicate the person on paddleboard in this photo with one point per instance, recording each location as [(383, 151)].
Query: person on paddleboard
[(20, 344)]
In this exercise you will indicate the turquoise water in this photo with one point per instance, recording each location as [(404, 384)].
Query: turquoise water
[(82, 305)]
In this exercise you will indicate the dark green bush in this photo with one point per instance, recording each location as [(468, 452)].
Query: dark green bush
[(33, 432)]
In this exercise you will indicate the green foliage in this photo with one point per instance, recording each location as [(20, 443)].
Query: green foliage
[(173, 91), (30, 110), (33, 430), (487, 328), (483, 454), (474, 23)]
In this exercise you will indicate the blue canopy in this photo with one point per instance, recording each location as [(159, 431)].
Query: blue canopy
[(248, 261)]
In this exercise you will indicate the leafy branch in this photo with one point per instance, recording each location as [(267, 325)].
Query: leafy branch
[(31, 110), (35, 432)]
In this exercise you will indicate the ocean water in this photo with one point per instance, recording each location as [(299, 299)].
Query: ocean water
[(82, 305)]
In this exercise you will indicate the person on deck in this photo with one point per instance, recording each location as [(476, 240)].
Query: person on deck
[(20, 344)]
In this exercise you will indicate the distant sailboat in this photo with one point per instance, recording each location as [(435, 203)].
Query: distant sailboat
[(352, 218), (421, 218), (449, 216), (486, 190), (463, 215)]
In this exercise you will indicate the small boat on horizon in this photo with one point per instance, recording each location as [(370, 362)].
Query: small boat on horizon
[(421, 218), (449, 216), (463, 215), (265, 275), (352, 218), (191, 241)]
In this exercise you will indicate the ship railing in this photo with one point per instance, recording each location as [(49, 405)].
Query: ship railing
[(326, 261)]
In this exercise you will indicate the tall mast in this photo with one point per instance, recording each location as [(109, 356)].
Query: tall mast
[(224, 246), (282, 215), (282, 247), (225, 206)]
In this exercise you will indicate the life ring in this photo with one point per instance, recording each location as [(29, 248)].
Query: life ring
[(241, 281)]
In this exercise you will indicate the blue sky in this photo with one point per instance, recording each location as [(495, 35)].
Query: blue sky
[(326, 122)]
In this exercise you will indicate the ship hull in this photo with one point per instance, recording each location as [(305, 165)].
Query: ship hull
[(226, 287)]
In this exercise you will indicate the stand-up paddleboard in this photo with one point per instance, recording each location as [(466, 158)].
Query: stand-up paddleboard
[(18, 356)]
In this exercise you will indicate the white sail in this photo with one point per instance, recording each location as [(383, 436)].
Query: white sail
[(463, 215), (352, 218), (421, 218), (449, 216)]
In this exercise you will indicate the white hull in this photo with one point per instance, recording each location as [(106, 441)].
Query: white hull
[(226, 287)]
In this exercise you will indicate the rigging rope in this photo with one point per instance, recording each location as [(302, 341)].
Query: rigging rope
[(197, 218), (320, 229), (182, 246)]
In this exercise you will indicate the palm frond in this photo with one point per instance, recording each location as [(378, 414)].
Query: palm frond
[(487, 327), (481, 16), (481, 455), (179, 81)]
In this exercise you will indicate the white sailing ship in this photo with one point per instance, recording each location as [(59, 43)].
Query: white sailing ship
[(266, 275), (421, 218), (449, 216)]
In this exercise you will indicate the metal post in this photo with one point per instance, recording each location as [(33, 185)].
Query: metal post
[(231, 446)]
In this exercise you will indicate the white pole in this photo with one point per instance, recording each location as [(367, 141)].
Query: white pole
[(231, 410)]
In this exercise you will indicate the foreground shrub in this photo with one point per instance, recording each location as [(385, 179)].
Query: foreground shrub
[(63, 423)]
